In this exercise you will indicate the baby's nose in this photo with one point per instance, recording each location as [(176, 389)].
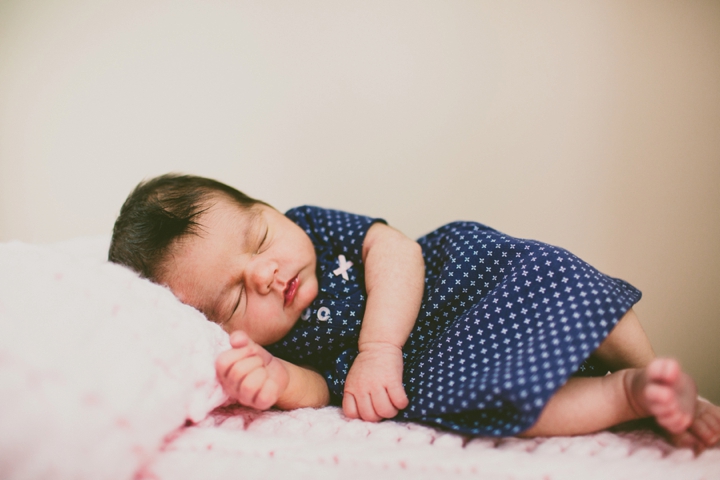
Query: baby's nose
[(262, 275)]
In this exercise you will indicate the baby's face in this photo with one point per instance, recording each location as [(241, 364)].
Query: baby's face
[(250, 270)]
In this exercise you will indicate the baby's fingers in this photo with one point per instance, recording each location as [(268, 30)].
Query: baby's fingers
[(268, 394), (382, 405), (234, 380), (398, 397), (238, 339), (227, 359), (349, 406), (263, 354), (251, 385), (366, 408)]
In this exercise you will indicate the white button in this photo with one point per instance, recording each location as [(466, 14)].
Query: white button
[(323, 314), (306, 314)]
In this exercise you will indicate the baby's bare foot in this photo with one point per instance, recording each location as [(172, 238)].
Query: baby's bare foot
[(705, 427), (706, 424), (663, 391), (704, 432)]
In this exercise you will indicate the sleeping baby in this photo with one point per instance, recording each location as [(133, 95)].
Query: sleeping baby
[(467, 328)]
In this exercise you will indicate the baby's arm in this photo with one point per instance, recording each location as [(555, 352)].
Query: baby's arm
[(394, 278), (255, 378)]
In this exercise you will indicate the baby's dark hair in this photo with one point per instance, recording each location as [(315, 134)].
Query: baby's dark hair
[(161, 211)]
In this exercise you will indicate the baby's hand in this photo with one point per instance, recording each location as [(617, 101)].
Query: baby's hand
[(373, 388), (250, 374)]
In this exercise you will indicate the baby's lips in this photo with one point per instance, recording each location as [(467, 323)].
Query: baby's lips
[(291, 290)]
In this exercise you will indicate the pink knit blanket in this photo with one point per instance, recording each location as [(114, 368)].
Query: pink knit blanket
[(236, 442)]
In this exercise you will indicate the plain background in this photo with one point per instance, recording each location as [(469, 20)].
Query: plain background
[(591, 125)]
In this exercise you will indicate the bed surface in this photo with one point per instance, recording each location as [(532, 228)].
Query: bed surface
[(105, 375), (322, 444)]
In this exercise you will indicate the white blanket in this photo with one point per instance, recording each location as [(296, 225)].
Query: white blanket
[(96, 366), (105, 375)]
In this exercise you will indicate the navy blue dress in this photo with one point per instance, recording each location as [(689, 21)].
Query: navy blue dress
[(504, 321)]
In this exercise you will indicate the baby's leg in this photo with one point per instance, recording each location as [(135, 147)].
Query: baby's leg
[(627, 345), (586, 405)]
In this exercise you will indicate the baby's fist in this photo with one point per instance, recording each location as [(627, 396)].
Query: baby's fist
[(250, 374)]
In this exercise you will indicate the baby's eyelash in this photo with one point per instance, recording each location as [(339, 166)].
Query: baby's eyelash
[(237, 304), (262, 242)]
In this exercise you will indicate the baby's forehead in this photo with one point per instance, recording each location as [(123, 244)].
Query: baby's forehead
[(221, 221), (223, 211), (224, 229)]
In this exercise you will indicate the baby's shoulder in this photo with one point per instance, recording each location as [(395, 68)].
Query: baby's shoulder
[(317, 216), (335, 230), (458, 228)]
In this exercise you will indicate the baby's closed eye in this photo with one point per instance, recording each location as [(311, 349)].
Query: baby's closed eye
[(263, 241), (241, 294)]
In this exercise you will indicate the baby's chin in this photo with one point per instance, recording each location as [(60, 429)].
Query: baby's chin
[(295, 321), (309, 293)]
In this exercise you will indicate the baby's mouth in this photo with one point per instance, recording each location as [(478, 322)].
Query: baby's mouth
[(290, 290)]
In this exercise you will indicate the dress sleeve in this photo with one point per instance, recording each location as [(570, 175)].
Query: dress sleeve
[(334, 230)]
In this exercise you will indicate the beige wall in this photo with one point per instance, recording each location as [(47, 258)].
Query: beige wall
[(592, 125)]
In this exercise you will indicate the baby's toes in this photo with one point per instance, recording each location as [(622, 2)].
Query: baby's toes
[(663, 370), (675, 421), (659, 399), (663, 405), (706, 425), (687, 440)]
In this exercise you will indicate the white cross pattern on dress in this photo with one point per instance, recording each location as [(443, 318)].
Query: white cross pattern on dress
[(343, 268)]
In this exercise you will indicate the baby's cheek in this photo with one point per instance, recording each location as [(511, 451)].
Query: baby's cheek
[(261, 324), (309, 293), (232, 326)]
